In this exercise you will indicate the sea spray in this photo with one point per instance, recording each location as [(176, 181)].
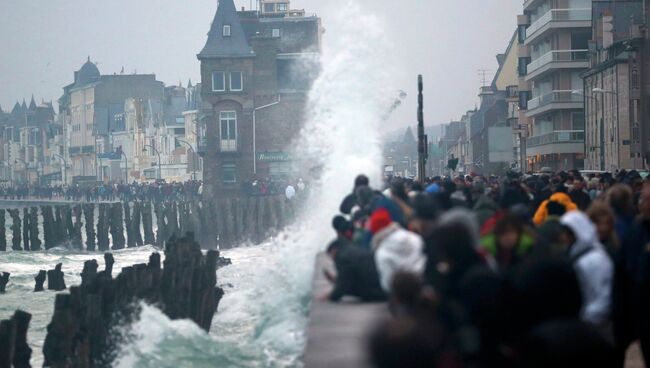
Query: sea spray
[(262, 318)]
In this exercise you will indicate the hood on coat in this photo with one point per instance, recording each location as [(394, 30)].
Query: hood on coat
[(583, 229), (462, 217)]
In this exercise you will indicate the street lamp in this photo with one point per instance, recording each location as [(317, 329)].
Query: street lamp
[(64, 169), (191, 149), (144, 150)]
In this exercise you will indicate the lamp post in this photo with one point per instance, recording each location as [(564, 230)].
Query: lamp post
[(191, 149), (64, 169), (144, 150)]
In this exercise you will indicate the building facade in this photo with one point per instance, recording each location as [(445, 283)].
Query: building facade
[(256, 70), (612, 88), (553, 53), (93, 110)]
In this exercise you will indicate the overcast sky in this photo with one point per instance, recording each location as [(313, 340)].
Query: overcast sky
[(42, 42)]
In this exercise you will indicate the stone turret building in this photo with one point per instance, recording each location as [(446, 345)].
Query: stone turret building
[(256, 70)]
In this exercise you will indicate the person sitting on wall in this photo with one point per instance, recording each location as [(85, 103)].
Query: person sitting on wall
[(356, 273)]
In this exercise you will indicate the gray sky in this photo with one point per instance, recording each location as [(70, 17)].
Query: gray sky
[(43, 42)]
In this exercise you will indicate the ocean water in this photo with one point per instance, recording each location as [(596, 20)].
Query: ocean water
[(262, 318)]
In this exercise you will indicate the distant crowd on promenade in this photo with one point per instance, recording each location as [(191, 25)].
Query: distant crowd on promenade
[(517, 271), (157, 191)]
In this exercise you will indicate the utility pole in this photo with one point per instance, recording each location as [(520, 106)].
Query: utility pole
[(422, 144)]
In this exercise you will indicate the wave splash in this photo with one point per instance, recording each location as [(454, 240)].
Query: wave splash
[(263, 316)]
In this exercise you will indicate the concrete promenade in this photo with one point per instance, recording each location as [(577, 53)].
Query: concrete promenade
[(337, 332)]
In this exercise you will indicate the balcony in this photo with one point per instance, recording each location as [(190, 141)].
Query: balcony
[(558, 18), (228, 145), (557, 142), (556, 100), (557, 59)]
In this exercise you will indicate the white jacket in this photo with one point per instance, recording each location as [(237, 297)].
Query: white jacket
[(396, 250), (593, 267)]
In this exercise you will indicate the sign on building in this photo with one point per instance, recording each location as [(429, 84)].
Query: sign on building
[(500, 144)]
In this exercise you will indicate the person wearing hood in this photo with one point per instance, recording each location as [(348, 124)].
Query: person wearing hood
[(542, 212), (395, 248), (485, 207), (593, 267)]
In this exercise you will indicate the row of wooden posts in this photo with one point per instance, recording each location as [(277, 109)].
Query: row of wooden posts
[(217, 223), (82, 332)]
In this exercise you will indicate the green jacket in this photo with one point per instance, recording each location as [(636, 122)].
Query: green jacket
[(526, 243)]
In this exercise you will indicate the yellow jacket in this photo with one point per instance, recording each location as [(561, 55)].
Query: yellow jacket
[(562, 198)]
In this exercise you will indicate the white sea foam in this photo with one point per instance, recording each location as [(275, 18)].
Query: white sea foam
[(262, 318)]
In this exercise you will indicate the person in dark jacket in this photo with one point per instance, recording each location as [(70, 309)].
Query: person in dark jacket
[(356, 273), (632, 283), (351, 199), (579, 196)]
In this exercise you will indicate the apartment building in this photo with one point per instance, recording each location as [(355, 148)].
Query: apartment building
[(256, 70), (553, 47)]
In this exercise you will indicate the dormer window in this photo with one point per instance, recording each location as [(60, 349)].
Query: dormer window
[(226, 30)]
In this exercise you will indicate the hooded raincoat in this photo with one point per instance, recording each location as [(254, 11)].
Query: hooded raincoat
[(593, 267)]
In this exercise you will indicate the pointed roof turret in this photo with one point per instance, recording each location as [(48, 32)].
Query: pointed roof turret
[(17, 109), (32, 104), (226, 37), (23, 106), (189, 83), (408, 136)]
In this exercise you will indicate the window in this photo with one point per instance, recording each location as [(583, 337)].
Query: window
[(218, 81), (228, 131), (236, 82), (228, 173), (276, 32), (578, 121), (269, 8), (281, 7), (226, 30)]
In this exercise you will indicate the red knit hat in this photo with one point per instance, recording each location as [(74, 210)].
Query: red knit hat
[(379, 220)]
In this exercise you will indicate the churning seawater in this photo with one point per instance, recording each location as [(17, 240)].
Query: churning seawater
[(262, 318)]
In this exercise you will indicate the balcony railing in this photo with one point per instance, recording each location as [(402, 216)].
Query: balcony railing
[(228, 145), (558, 56), (559, 15), (554, 97), (558, 136)]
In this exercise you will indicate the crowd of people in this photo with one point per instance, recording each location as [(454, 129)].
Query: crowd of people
[(158, 191), (520, 271)]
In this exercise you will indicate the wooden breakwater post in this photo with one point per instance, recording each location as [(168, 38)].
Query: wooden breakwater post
[(89, 216), (223, 222), (3, 232), (4, 280), (15, 230), (14, 350), (81, 332), (33, 229)]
